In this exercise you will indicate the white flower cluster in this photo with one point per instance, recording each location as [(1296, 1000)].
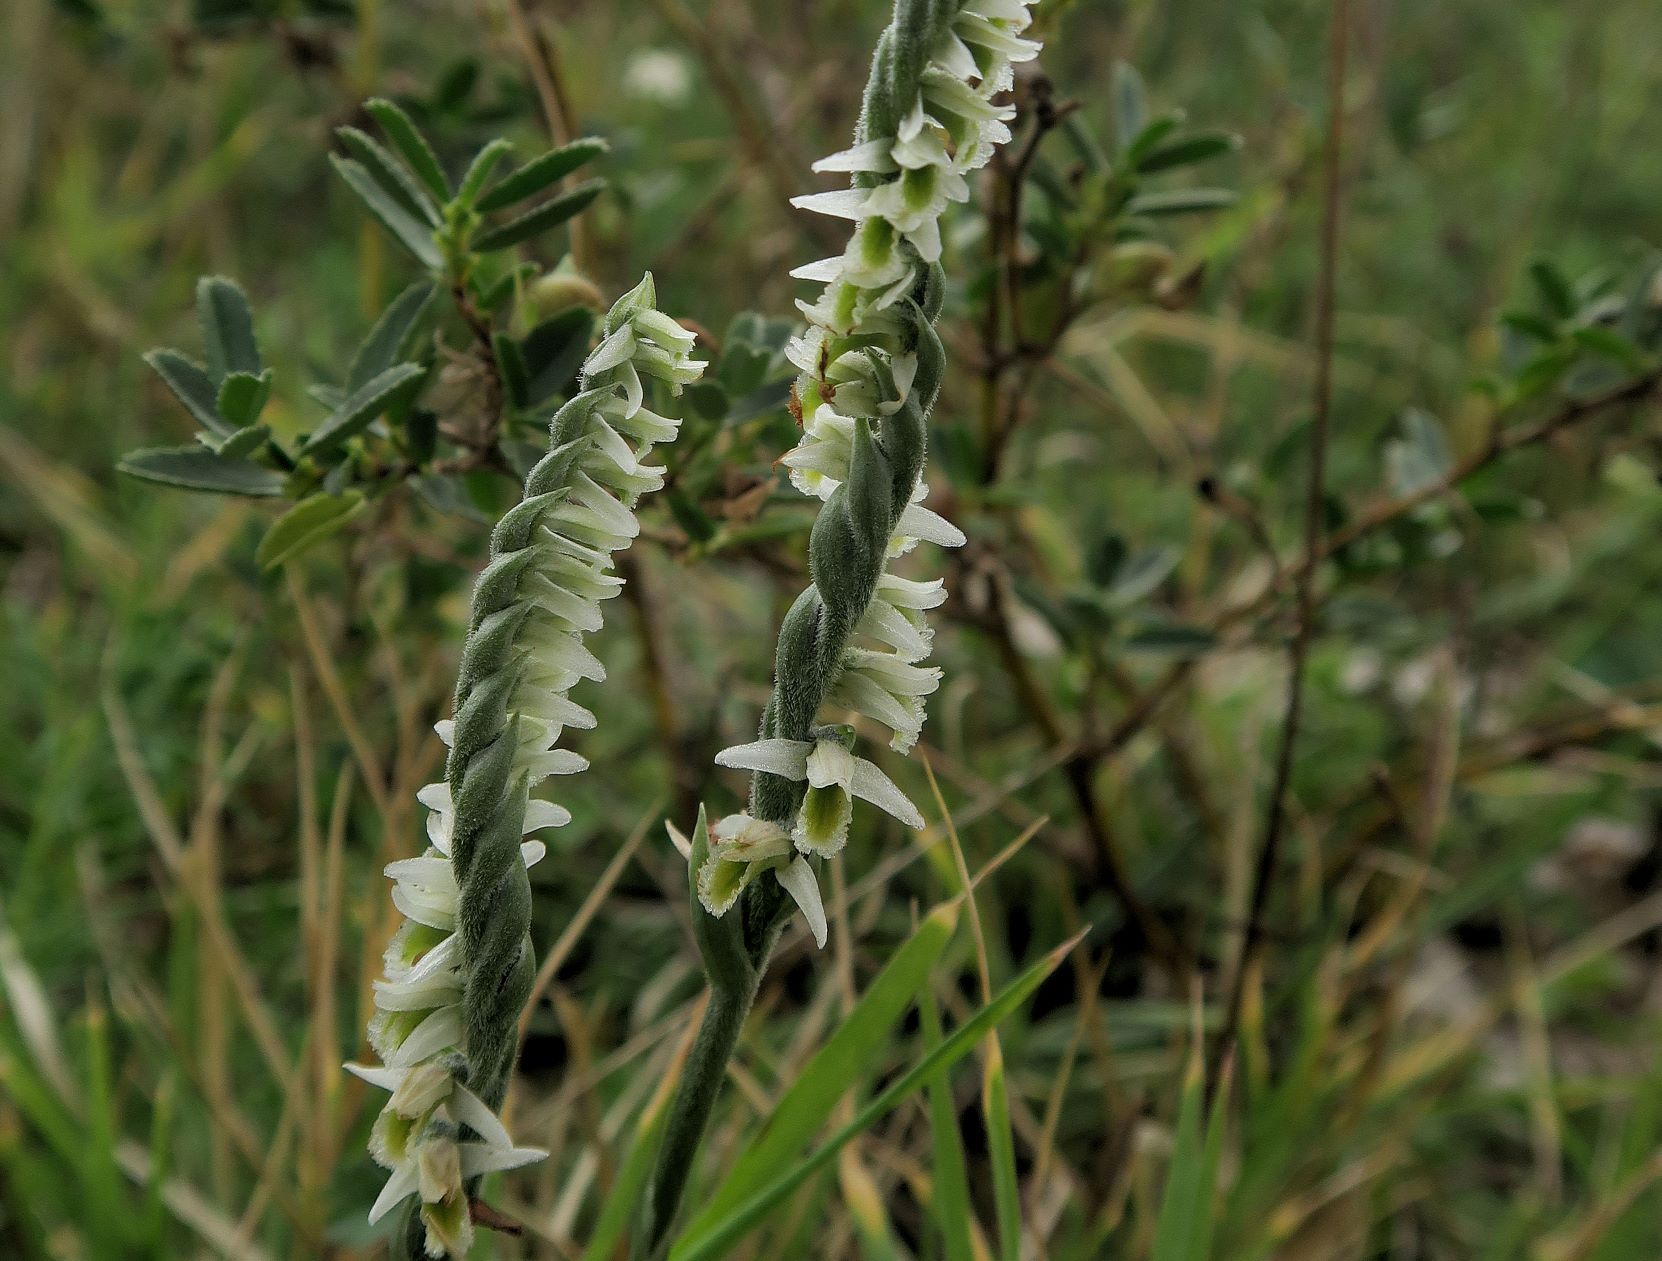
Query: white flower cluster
[(852, 374), (418, 1029), (952, 128)]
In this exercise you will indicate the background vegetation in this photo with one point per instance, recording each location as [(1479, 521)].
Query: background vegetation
[(1447, 1028)]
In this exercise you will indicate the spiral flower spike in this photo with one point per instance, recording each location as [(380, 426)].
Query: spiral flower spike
[(460, 968)]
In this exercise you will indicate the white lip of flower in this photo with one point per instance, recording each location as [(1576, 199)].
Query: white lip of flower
[(819, 462), (744, 848), (835, 777)]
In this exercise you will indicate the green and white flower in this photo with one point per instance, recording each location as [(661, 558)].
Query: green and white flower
[(742, 850), (550, 572), (860, 356), (835, 778)]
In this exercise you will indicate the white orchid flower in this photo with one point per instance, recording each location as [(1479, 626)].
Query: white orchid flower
[(835, 778)]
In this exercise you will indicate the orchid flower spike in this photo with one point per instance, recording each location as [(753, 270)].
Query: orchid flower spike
[(459, 968)]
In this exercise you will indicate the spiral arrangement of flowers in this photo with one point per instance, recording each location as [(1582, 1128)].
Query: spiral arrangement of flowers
[(870, 367), (460, 968)]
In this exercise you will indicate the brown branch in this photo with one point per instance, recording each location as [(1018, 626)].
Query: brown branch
[(1269, 852)]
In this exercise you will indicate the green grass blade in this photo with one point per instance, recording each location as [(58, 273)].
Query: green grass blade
[(1001, 1150), (723, 1234), (839, 1064), (951, 1206), (1184, 1229)]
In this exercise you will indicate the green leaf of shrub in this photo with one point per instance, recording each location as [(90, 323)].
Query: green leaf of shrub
[(391, 174), (411, 144), (305, 525), (191, 385), (554, 350), (1188, 151), (540, 173), (361, 407), (196, 468), (245, 441), (242, 396), (406, 229), (386, 341), (550, 214), (479, 170), (227, 328), (1180, 201), (1130, 104)]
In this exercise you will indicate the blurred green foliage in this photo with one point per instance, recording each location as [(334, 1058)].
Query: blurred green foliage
[(207, 752)]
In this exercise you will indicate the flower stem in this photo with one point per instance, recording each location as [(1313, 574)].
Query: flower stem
[(763, 908)]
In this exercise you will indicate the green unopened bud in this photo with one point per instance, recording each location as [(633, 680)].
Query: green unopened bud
[(559, 291), (638, 299)]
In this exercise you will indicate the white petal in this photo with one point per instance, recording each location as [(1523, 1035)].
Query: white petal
[(871, 156), (385, 1078), (870, 784), (435, 797), (824, 271), (919, 522), (400, 1185), (788, 758), (532, 852), (545, 814), (842, 203), (427, 873), (798, 881), (469, 1109), (610, 353), (927, 237), (633, 391), (480, 1158)]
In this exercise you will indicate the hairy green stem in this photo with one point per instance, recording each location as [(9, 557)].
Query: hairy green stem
[(695, 1099)]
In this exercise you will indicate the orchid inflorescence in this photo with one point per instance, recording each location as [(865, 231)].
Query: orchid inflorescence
[(460, 968), (871, 366)]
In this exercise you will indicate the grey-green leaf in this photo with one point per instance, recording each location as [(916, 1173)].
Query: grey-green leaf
[(1180, 201), (386, 341), (227, 328), (196, 468), (538, 174), (550, 214), (484, 162), (412, 145), (361, 406), (405, 227), (1188, 150), (242, 396), (1420, 458), (1130, 104), (554, 350), (245, 441), (191, 385), (390, 174), (1137, 576)]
